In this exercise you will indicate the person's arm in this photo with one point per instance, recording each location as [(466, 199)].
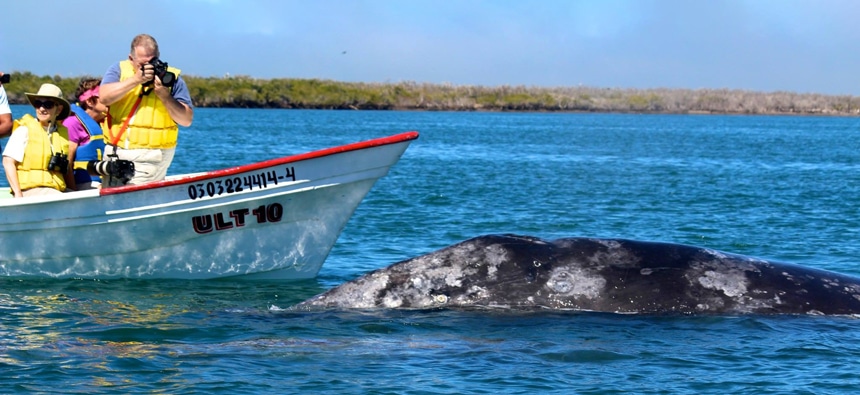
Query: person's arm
[(13, 154), (70, 176), (181, 113), (111, 93), (5, 124), (10, 166), (112, 89), (5, 113)]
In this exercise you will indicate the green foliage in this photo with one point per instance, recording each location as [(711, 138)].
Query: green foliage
[(247, 92), (644, 102), (30, 83)]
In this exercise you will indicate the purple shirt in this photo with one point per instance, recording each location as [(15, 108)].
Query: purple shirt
[(180, 90), (77, 133)]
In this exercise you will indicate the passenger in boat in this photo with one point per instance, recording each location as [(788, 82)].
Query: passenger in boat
[(147, 100), (86, 141), (5, 112), (36, 157)]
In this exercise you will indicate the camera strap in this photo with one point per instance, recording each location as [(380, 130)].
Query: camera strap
[(52, 127), (115, 140)]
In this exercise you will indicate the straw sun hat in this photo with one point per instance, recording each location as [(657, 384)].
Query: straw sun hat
[(53, 92)]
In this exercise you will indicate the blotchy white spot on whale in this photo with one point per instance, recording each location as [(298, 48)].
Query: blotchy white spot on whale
[(495, 256), (615, 255), (362, 293), (733, 283), (576, 282), (391, 301)]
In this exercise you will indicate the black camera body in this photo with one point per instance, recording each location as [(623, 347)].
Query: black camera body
[(168, 78), (119, 168), (59, 163)]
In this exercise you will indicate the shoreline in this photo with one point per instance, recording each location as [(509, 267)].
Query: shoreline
[(284, 93)]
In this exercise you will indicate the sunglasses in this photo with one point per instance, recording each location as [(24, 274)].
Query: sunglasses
[(48, 104)]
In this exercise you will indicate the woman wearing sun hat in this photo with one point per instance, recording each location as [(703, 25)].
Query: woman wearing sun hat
[(36, 156)]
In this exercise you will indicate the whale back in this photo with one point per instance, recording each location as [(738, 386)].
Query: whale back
[(588, 274)]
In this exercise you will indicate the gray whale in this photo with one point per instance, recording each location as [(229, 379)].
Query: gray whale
[(603, 275)]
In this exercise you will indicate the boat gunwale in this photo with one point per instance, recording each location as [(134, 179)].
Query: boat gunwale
[(381, 141)]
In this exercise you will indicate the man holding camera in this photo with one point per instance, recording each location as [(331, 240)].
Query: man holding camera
[(147, 102)]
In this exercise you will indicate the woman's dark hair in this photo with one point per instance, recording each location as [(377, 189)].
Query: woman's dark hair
[(86, 84)]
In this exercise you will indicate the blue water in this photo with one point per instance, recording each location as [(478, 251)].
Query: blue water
[(781, 188)]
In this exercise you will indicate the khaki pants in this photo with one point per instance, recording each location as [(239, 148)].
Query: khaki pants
[(149, 164), (39, 191)]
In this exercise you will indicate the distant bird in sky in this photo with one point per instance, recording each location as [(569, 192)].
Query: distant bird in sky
[(343, 53)]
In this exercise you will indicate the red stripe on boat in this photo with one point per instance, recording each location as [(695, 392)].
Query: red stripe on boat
[(397, 138)]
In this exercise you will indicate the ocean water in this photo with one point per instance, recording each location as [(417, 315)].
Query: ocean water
[(780, 188)]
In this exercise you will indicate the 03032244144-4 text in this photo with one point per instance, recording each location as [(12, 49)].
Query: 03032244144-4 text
[(240, 183)]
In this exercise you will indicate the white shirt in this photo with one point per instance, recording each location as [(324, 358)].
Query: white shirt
[(4, 102), (17, 144)]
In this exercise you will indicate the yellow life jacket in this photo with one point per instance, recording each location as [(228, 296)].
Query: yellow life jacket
[(151, 125), (32, 171)]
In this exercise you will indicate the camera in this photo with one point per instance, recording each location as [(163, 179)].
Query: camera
[(59, 163), (5, 78), (167, 78), (120, 168)]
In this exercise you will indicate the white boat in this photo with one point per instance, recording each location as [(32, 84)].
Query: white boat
[(276, 219)]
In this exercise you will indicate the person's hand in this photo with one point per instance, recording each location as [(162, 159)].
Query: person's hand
[(145, 73), (160, 90)]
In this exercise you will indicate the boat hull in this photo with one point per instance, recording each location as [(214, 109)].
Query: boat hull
[(276, 219)]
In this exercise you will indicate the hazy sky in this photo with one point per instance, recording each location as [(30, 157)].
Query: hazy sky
[(808, 46)]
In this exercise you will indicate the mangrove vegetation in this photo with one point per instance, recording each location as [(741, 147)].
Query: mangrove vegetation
[(248, 92)]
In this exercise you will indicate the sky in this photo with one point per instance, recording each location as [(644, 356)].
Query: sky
[(803, 46)]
